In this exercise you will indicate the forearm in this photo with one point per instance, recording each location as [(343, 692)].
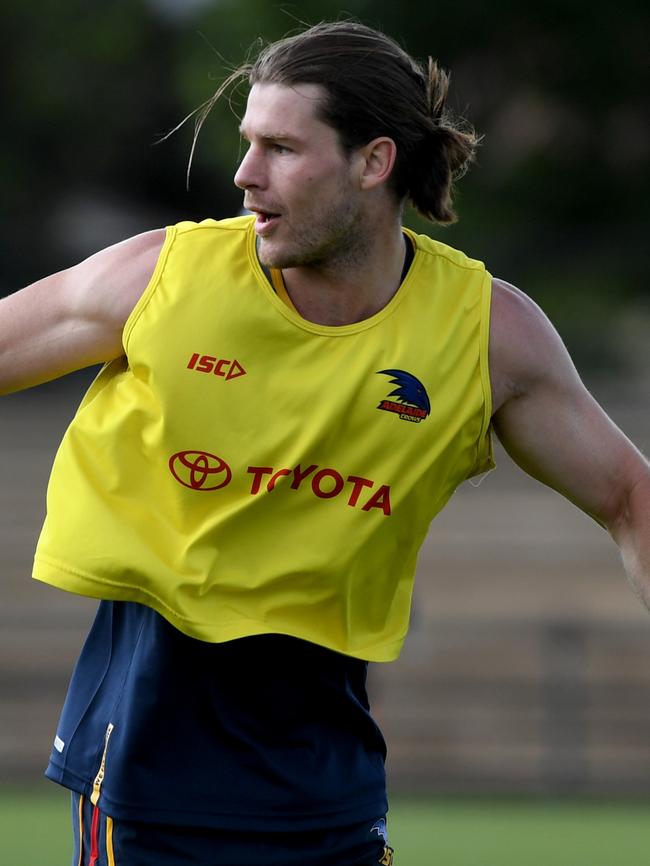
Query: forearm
[(631, 531)]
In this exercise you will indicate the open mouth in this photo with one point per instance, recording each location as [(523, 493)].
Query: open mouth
[(265, 220)]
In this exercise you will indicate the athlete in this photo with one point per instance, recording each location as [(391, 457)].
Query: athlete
[(287, 400)]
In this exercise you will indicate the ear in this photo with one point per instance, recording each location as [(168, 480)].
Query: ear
[(377, 159)]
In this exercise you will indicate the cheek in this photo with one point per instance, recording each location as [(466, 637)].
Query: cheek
[(325, 174)]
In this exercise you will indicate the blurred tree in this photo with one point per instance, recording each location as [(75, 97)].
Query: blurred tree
[(558, 202)]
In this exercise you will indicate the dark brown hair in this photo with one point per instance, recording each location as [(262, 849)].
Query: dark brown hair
[(373, 88)]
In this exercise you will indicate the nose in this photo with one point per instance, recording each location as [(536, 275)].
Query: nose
[(250, 173)]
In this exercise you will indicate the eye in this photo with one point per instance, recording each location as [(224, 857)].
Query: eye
[(280, 149)]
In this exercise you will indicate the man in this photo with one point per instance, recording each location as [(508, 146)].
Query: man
[(288, 400)]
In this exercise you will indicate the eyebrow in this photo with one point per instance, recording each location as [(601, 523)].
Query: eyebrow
[(272, 136)]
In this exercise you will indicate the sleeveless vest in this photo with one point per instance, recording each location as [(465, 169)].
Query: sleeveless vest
[(244, 471)]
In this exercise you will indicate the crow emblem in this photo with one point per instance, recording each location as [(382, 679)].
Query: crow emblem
[(411, 401)]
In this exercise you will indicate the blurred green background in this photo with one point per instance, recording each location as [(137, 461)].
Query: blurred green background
[(558, 203)]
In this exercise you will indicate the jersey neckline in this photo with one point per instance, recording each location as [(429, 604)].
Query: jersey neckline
[(292, 315)]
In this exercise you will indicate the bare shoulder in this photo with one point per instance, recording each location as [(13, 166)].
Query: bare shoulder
[(109, 283), (525, 348), (548, 421)]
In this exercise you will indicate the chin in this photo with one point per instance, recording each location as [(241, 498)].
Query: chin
[(269, 258), (274, 256), (315, 253)]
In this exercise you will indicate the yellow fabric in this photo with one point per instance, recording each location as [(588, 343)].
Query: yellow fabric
[(281, 289), (80, 818), (109, 842), (99, 778), (245, 471)]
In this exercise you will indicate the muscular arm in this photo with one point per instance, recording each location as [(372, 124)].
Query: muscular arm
[(554, 429), (74, 318)]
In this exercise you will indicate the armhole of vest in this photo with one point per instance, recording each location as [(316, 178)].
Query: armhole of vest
[(145, 297), (485, 459)]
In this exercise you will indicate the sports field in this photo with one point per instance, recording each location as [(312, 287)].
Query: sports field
[(34, 832)]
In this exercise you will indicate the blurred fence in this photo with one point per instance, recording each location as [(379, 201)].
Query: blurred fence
[(523, 707), (526, 669)]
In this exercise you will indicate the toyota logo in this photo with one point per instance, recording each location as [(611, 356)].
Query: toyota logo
[(200, 470)]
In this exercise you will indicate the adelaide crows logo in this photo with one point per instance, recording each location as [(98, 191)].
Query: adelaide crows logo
[(411, 401)]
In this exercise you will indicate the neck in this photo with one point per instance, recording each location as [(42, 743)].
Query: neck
[(345, 292)]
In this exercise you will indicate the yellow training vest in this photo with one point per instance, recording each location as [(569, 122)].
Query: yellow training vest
[(244, 471)]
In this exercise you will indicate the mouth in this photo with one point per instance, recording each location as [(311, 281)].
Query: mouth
[(264, 220), (266, 217)]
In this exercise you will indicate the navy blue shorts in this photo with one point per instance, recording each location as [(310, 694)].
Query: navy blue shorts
[(101, 841)]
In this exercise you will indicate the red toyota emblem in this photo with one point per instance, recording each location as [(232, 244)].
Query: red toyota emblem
[(200, 470)]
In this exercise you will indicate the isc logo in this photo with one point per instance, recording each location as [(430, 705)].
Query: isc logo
[(219, 366)]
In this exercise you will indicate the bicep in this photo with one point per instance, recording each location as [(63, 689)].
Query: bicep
[(549, 423), (75, 318)]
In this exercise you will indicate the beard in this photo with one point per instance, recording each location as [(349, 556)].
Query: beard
[(331, 239)]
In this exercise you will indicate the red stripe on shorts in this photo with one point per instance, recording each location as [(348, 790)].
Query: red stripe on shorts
[(94, 838)]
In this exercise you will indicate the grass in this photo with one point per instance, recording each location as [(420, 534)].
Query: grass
[(35, 827), (34, 831), (524, 833)]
